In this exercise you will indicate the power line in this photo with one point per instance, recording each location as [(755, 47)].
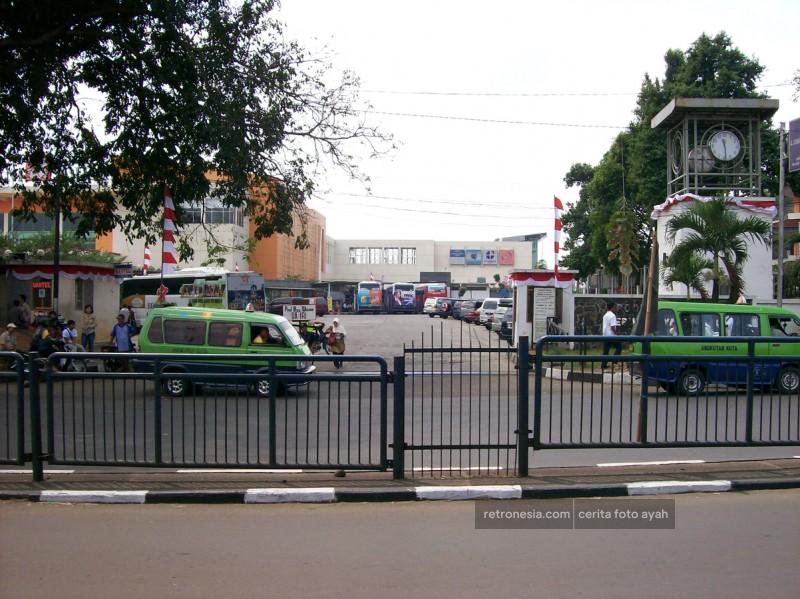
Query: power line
[(500, 121), (429, 212), (547, 209)]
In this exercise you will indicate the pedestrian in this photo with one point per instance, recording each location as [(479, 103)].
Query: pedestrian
[(336, 340), (610, 325), (70, 336), (125, 312), (88, 326), (8, 338), (121, 335), (25, 309)]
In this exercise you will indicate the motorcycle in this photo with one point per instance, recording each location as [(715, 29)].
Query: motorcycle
[(312, 334)]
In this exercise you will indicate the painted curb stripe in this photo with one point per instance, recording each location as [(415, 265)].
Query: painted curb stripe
[(655, 463), (660, 487), (552, 492), (239, 471), (195, 497), (93, 496), (470, 492), (308, 495), (376, 494)]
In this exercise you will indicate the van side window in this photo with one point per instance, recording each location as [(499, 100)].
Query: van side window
[(700, 325), (742, 325), (155, 334), (225, 334), (667, 325), (781, 326), (185, 332), (266, 334)]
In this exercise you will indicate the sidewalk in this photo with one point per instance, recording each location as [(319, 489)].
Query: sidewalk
[(233, 486)]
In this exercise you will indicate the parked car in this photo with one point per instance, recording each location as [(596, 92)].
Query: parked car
[(463, 307), (182, 330), (472, 316), (491, 304), (500, 315), (321, 304), (430, 306)]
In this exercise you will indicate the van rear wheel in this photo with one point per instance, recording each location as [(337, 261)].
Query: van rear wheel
[(691, 382), (263, 387), (789, 379), (175, 387)]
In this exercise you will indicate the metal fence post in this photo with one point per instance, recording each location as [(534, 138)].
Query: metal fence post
[(399, 422), (750, 376), (36, 418), (157, 411), (523, 370), (273, 426), (644, 398), (537, 395)]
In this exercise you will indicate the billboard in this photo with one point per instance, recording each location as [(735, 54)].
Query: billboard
[(457, 257), (505, 257), (473, 257), (489, 256)]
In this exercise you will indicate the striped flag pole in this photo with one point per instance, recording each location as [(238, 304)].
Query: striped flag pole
[(147, 257), (169, 258), (559, 208)]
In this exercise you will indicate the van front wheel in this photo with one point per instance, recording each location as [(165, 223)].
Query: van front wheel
[(175, 387), (789, 379), (264, 386), (691, 382)]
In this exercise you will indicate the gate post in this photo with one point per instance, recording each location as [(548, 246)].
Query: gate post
[(36, 418), (523, 370), (399, 422)]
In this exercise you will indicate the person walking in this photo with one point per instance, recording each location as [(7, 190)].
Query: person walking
[(25, 309), (336, 340), (88, 327), (610, 325), (121, 335)]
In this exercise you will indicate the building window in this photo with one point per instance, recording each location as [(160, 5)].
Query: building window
[(84, 292), (359, 256), (408, 255), (391, 255), (375, 255)]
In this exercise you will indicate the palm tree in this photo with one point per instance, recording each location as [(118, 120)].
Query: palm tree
[(715, 229), (687, 268)]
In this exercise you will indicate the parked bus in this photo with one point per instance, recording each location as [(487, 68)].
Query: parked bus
[(369, 297), (206, 287), (424, 291), (399, 298)]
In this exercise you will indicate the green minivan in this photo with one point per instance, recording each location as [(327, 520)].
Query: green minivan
[(715, 322), (184, 330)]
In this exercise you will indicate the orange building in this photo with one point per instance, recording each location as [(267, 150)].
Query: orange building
[(277, 257)]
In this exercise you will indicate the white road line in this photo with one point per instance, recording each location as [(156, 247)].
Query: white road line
[(660, 487), (31, 471), (654, 463), (93, 496), (310, 495), (453, 493), (237, 471)]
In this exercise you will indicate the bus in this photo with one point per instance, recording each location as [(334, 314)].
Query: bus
[(369, 297), (424, 291), (399, 298), (206, 287)]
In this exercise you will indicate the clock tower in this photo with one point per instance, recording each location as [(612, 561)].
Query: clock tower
[(714, 145)]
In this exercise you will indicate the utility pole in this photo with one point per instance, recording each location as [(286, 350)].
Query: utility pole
[(781, 184)]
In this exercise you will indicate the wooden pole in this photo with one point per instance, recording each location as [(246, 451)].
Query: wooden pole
[(648, 311)]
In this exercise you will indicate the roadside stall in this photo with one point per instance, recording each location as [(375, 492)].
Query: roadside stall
[(544, 303)]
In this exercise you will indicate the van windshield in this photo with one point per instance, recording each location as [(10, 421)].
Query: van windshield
[(291, 333)]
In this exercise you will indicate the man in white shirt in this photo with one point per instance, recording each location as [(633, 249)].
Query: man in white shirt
[(610, 325)]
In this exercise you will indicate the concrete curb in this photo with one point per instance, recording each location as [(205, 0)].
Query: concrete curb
[(419, 493)]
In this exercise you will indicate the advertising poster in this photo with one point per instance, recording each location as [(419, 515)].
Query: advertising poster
[(473, 257), (506, 257), (457, 257), (489, 256)]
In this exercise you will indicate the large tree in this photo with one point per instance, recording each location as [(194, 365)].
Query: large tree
[(109, 100), (710, 67)]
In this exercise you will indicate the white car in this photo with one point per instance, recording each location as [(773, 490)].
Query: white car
[(429, 307), (490, 305)]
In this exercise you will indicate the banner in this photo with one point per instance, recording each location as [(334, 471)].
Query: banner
[(457, 257), (489, 256), (473, 257), (506, 257)]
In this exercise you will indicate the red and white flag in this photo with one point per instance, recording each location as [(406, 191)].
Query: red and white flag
[(147, 257), (169, 256), (559, 208), (236, 268)]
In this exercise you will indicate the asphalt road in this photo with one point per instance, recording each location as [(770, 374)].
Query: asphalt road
[(453, 398), (724, 545)]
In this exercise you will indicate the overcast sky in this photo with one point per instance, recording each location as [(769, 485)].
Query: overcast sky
[(455, 179)]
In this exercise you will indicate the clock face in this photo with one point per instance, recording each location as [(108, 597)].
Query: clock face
[(701, 160), (725, 145)]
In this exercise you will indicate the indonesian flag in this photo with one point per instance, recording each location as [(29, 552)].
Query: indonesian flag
[(559, 208), (147, 257), (169, 257)]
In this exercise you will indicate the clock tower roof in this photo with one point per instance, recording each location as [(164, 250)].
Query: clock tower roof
[(731, 107)]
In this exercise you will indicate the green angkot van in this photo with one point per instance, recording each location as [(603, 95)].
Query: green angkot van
[(184, 330), (718, 321)]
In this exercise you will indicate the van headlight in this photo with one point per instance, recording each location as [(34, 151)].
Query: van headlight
[(303, 365)]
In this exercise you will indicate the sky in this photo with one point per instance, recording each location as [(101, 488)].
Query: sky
[(566, 73)]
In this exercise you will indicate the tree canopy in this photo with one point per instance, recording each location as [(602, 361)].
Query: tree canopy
[(710, 67), (109, 100)]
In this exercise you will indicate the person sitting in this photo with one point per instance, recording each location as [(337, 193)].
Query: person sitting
[(260, 337)]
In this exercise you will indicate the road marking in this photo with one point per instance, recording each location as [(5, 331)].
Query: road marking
[(654, 463), (93, 496), (238, 470), (31, 471), (660, 487), (309, 495), (452, 493)]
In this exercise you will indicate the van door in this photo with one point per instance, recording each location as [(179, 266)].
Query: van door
[(749, 325), (781, 325)]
